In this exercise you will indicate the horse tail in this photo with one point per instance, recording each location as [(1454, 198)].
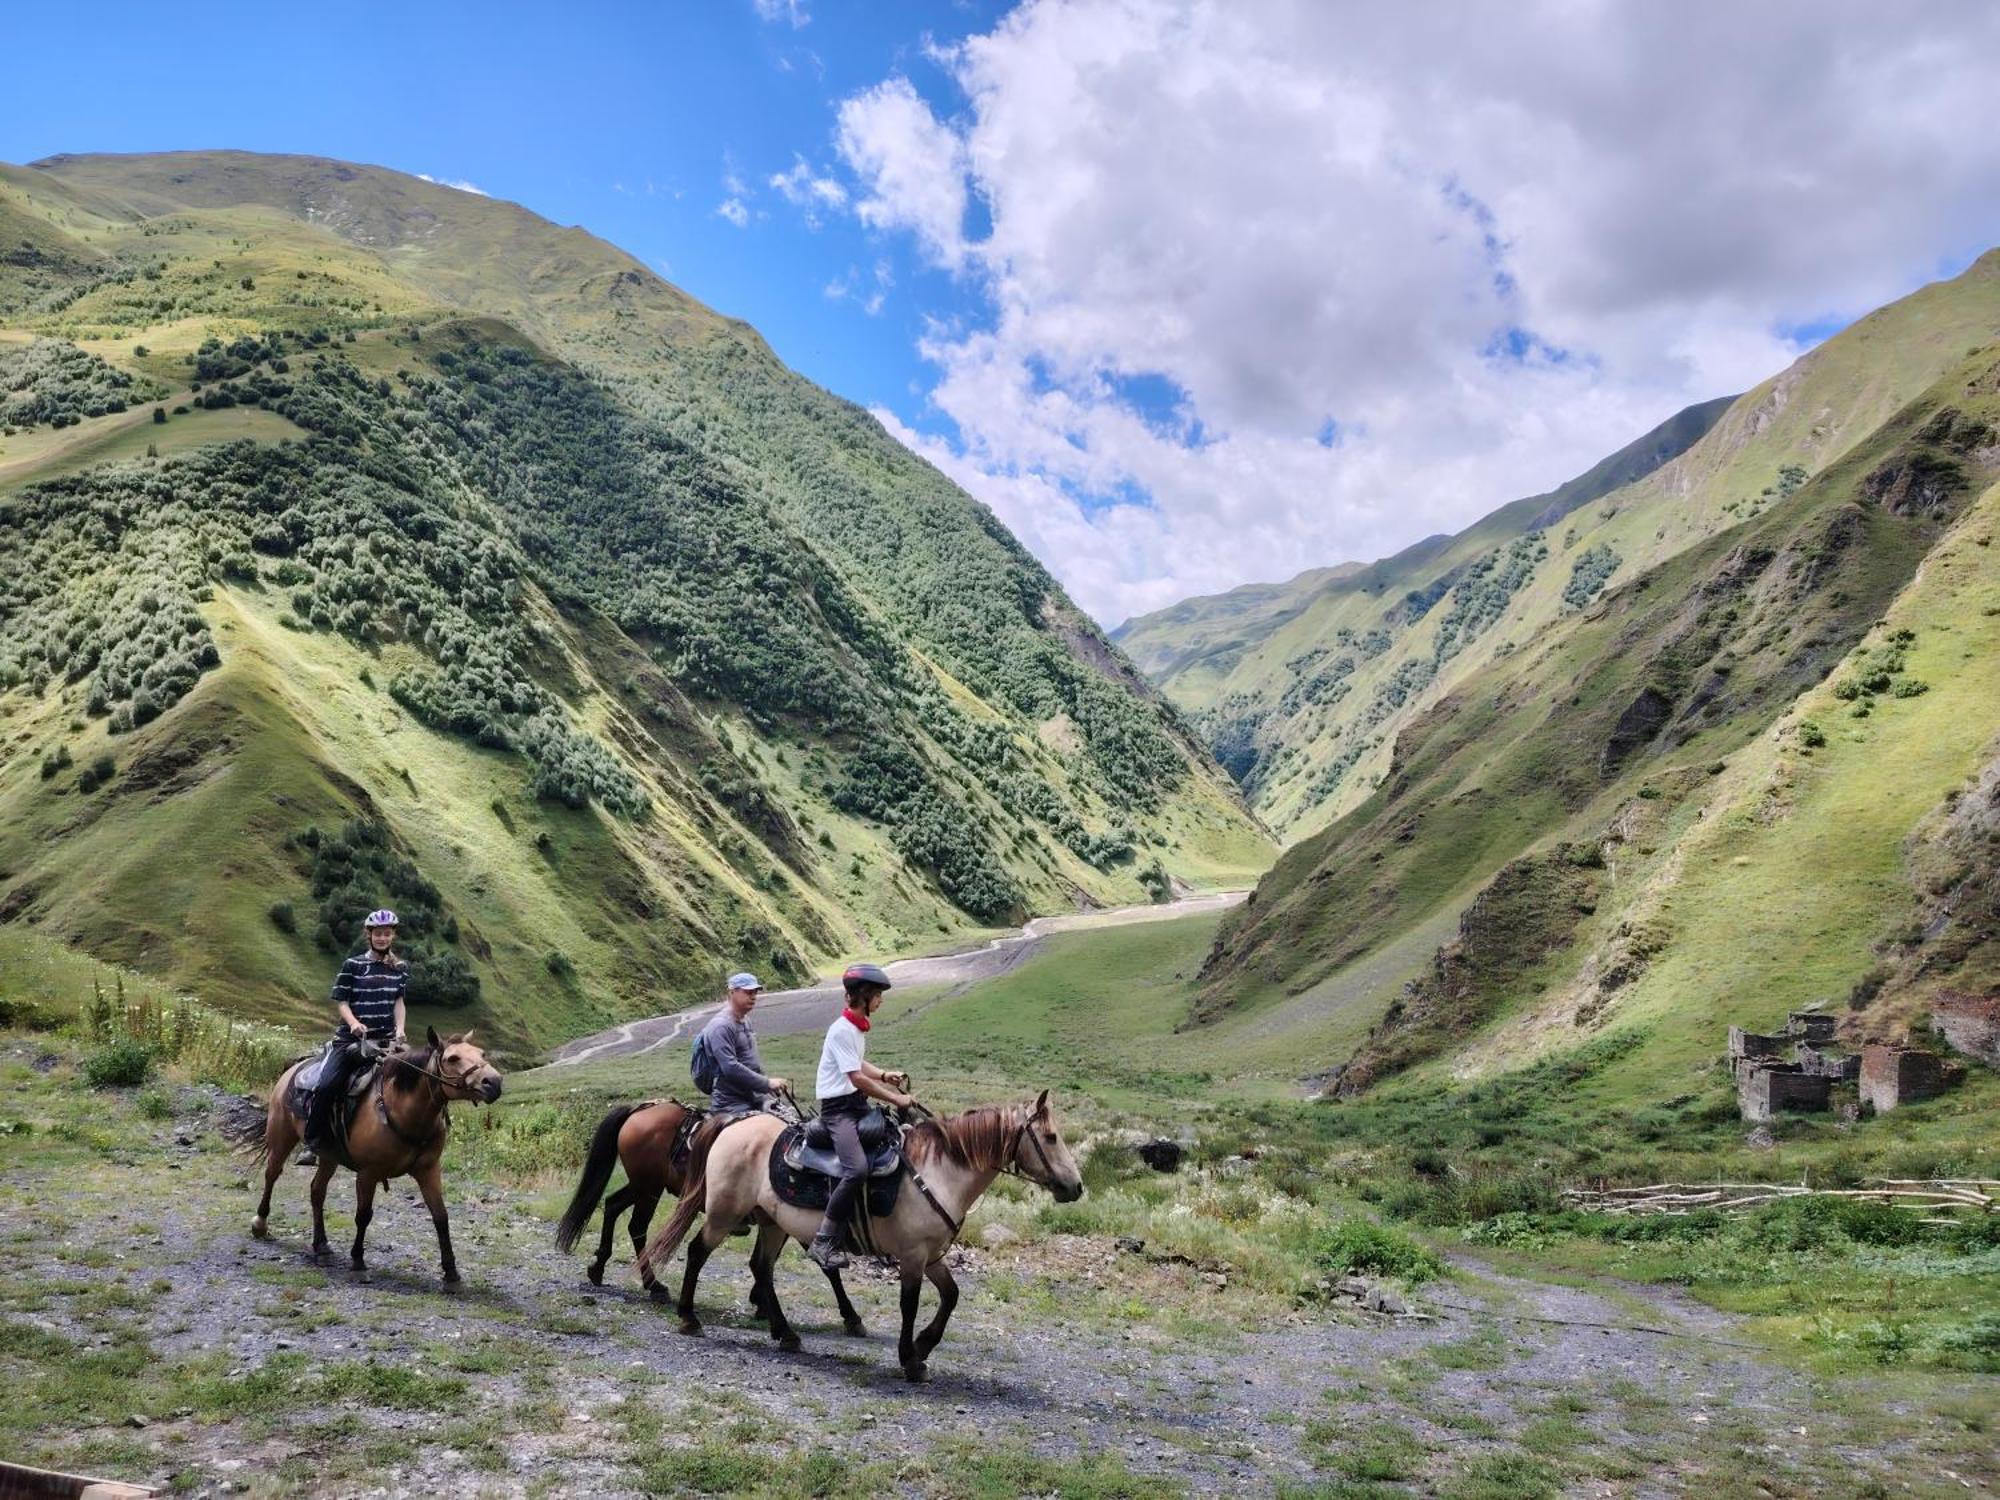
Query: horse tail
[(597, 1165), (246, 1123), (694, 1197)]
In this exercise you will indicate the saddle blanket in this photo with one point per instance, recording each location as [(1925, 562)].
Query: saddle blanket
[(800, 1177)]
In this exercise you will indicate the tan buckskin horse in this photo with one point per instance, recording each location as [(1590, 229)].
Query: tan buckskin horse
[(641, 1138), (400, 1129), (948, 1164)]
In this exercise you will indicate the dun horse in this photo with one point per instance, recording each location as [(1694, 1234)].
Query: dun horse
[(641, 1138), (950, 1163), (399, 1130)]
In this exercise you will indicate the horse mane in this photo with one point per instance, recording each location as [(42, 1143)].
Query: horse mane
[(420, 1060), (977, 1139)]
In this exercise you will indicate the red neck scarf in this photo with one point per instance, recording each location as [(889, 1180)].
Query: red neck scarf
[(860, 1021)]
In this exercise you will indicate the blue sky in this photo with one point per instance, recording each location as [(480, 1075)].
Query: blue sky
[(1192, 293), (625, 119)]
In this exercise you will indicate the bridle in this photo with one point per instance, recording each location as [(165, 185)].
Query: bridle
[(1022, 1132), (1026, 1133), (441, 1081)]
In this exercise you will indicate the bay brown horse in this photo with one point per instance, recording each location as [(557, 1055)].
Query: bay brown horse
[(949, 1164), (641, 1138), (399, 1129)]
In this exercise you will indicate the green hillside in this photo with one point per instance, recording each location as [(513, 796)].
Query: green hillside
[(1304, 703), (370, 540), (1755, 776)]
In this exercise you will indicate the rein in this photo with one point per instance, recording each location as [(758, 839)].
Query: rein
[(1021, 1133)]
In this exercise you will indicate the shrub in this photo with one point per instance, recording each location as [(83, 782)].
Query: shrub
[(1912, 687), (1811, 735), (122, 1064), (1355, 1246), (283, 917), (557, 962)]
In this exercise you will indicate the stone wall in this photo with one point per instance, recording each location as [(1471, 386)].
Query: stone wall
[(1825, 1062), (1766, 1089), (1899, 1075)]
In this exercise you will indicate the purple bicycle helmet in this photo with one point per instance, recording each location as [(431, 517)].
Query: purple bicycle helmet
[(381, 918)]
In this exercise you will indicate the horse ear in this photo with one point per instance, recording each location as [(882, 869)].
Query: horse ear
[(1041, 1111), (463, 1036), (431, 1036)]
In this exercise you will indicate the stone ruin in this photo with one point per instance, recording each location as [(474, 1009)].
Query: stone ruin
[(1768, 1082), (1797, 1069)]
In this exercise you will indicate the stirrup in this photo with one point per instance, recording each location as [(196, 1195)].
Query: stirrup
[(826, 1254)]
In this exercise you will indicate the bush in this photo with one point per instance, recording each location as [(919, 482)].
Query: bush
[(1355, 1246), (283, 917), (1811, 735), (121, 1064)]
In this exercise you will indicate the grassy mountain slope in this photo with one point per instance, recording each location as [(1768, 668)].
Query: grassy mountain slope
[(1728, 769), (1306, 713), (448, 554)]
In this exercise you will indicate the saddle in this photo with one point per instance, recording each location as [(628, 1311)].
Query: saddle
[(305, 1083), (804, 1169)]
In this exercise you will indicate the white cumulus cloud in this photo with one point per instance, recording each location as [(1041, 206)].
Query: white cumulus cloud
[(1278, 283), (455, 182)]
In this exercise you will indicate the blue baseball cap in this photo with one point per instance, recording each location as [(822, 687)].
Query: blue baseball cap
[(745, 981)]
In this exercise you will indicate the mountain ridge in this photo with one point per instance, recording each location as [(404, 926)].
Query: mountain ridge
[(1305, 709), (638, 656)]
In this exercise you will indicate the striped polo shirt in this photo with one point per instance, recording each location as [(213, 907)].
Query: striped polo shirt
[(371, 990)]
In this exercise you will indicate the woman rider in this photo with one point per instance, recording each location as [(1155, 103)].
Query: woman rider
[(368, 994), (845, 1084)]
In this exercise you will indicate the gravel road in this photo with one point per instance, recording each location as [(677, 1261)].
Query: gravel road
[(789, 1012)]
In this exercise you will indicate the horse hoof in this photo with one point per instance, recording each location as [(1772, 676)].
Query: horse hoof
[(595, 1273), (658, 1292), (691, 1327), (917, 1374), (321, 1252), (789, 1343), (856, 1329), (452, 1278), (259, 1230)]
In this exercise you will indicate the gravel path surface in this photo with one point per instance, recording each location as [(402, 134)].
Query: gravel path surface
[(1070, 1360)]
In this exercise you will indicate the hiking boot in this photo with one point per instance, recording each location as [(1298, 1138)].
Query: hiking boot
[(307, 1158), (825, 1254)]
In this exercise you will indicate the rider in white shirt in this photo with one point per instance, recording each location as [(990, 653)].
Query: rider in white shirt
[(846, 1082)]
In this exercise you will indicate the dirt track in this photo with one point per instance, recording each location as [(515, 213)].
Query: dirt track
[(144, 1333), (788, 1012)]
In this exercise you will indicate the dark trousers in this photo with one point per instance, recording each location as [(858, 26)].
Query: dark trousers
[(330, 1093), (842, 1114)]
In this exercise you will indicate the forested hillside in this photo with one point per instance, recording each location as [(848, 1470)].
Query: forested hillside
[(1303, 699), (365, 536), (1756, 775)]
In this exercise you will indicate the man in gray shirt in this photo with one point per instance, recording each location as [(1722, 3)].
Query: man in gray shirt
[(740, 1082)]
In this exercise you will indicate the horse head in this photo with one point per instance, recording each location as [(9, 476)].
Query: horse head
[(462, 1069), (1040, 1154)]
